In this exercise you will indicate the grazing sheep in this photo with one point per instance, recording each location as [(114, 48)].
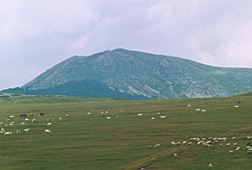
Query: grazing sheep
[(22, 123), (203, 111), (49, 124), (88, 113), (48, 120), (12, 116), (210, 165), (67, 116), (108, 118), (228, 144), (197, 110), (152, 118), (189, 105), (47, 131), (18, 132), (175, 155), (60, 118), (158, 113), (26, 119), (31, 115), (7, 133), (33, 120), (162, 117), (12, 123), (27, 130), (140, 114), (42, 114), (249, 151), (231, 152), (236, 106), (237, 149), (150, 146)]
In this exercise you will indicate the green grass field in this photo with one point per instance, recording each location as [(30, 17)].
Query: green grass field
[(93, 143)]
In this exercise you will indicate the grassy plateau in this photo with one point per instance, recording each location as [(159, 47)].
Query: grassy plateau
[(123, 142)]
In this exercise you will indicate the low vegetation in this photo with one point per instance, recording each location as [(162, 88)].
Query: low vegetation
[(87, 140)]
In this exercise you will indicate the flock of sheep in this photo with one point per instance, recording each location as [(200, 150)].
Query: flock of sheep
[(26, 121)]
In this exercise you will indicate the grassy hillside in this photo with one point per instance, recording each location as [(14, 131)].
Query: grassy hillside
[(93, 143)]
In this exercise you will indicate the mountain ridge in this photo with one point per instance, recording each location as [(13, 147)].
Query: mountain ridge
[(153, 76)]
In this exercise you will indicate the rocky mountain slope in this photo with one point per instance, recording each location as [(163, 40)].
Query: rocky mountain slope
[(137, 75)]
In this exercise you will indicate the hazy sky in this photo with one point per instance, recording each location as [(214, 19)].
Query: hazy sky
[(37, 34)]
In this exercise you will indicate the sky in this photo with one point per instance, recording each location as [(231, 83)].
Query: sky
[(35, 35)]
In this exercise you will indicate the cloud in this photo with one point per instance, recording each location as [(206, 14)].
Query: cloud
[(35, 34)]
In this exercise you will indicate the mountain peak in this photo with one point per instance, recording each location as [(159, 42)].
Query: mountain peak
[(147, 75)]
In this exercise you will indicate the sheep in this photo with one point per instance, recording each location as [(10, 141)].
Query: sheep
[(108, 118), (249, 151), (106, 112), (67, 116), (31, 115), (152, 118), (203, 111), (12, 123), (228, 144), (48, 120), (236, 106), (234, 138), (60, 118), (162, 117), (184, 142), (22, 123), (175, 155), (7, 133), (18, 132), (12, 116), (88, 113), (49, 124), (33, 120), (47, 131), (189, 105), (140, 114), (150, 146), (158, 113), (237, 149), (1, 123), (210, 165), (27, 130), (26, 119), (231, 152), (197, 110)]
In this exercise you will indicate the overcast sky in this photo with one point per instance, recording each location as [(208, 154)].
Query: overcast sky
[(37, 34)]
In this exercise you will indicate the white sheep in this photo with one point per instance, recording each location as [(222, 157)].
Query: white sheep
[(12, 116), (152, 118), (18, 132), (88, 113), (162, 117), (49, 124), (26, 119), (7, 133), (210, 165), (197, 110), (60, 118), (67, 116), (27, 130), (22, 123), (108, 118), (47, 131), (203, 111), (33, 120), (12, 123), (140, 114)]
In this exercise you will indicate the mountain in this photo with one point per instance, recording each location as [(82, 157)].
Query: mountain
[(128, 74)]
